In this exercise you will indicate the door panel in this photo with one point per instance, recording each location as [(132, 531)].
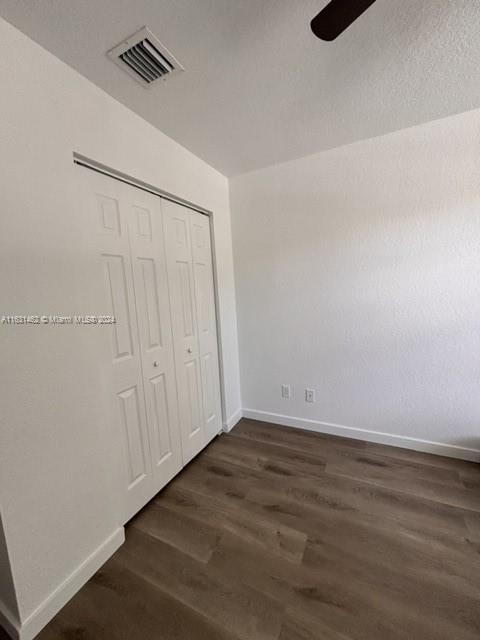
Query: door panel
[(190, 275), (162, 442), (128, 228), (207, 325), (146, 235), (132, 424), (182, 303), (151, 328), (186, 299), (116, 286), (109, 230), (208, 387), (193, 397)]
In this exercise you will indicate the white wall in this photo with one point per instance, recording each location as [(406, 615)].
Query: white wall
[(57, 462), (358, 274)]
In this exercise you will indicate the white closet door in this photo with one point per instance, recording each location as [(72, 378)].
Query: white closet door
[(191, 290), (206, 322), (182, 302), (156, 344), (109, 225)]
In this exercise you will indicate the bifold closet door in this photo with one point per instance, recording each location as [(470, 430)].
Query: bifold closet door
[(147, 246), (190, 275), (127, 226)]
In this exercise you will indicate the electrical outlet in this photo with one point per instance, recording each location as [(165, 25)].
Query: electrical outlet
[(286, 391), (309, 395)]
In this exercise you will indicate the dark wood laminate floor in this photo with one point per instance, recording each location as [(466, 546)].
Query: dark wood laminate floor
[(279, 534)]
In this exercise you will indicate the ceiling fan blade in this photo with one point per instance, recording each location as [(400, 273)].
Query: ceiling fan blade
[(337, 16)]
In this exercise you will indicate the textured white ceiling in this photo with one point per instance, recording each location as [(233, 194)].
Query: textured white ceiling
[(259, 87)]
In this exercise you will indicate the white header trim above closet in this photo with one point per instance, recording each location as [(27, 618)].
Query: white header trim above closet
[(83, 161)]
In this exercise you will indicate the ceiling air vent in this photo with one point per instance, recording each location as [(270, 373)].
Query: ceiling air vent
[(145, 58)]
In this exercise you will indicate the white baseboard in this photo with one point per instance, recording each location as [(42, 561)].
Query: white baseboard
[(35, 622), (8, 621), (438, 448), (232, 421)]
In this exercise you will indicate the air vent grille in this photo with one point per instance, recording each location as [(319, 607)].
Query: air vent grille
[(145, 58)]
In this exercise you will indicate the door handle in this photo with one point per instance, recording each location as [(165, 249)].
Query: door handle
[(189, 350), (156, 363)]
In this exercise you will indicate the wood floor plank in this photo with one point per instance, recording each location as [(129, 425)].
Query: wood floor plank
[(303, 627), (173, 528), (297, 588), (348, 494), (385, 477), (442, 543), (226, 602), (345, 607), (355, 461), (353, 602), (438, 484), (263, 532), (472, 521), (117, 604), (267, 457), (405, 591), (308, 441), (311, 442), (405, 542), (385, 551), (329, 493), (428, 459), (405, 545), (363, 464), (274, 533), (470, 477)]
